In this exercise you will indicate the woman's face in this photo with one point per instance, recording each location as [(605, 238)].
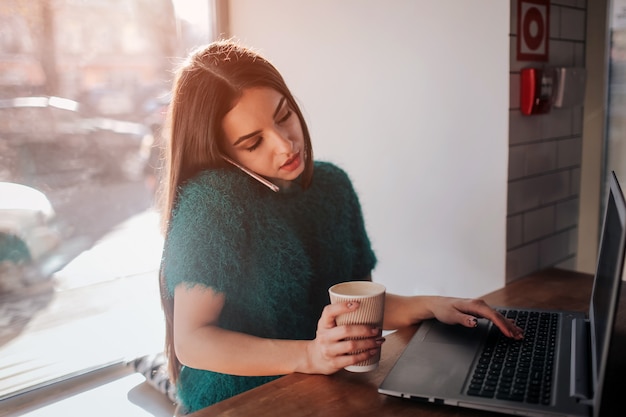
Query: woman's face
[(265, 135)]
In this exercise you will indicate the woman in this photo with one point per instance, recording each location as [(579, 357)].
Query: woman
[(256, 232)]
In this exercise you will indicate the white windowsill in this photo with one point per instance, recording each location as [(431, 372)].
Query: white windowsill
[(112, 391)]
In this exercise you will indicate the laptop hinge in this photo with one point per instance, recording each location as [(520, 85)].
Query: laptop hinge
[(580, 363)]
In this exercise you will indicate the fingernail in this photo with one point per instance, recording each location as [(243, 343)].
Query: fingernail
[(473, 322), (380, 341), (375, 330), (352, 304)]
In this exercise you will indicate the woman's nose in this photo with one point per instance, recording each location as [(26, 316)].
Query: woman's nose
[(282, 142)]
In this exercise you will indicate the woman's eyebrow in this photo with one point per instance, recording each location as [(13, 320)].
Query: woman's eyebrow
[(256, 132), (280, 105), (244, 137)]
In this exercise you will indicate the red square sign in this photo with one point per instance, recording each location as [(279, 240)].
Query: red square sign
[(533, 30)]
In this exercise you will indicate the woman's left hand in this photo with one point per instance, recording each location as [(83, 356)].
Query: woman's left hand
[(466, 311)]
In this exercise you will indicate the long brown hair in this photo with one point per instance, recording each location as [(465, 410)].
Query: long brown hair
[(206, 87)]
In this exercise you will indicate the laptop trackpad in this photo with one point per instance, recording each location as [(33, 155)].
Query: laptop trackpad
[(436, 361), (437, 332)]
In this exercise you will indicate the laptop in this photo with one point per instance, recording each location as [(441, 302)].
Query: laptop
[(562, 373)]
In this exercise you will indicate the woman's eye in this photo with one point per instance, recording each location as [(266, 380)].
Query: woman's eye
[(255, 145), (285, 117)]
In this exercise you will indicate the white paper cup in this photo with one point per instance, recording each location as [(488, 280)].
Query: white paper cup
[(371, 298)]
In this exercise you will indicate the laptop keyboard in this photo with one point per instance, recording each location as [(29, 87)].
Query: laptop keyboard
[(518, 370)]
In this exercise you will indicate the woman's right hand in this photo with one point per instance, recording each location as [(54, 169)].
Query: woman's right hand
[(330, 350)]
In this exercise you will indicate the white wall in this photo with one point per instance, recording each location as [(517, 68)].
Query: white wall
[(410, 97)]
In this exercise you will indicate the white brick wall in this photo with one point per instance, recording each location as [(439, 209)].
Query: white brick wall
[(545, 155)]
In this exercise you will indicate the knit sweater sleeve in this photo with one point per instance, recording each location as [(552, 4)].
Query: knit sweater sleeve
[(202, 245), (363, 258)]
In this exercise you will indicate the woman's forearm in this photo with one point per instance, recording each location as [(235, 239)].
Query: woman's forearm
[(219, 350), (402, 311)]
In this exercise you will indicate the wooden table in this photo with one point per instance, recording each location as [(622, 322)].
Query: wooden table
[(352, 394)]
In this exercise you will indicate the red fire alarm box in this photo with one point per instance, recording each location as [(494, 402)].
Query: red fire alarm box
[(536, 90)]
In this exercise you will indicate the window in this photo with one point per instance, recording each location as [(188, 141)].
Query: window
[(615, 142), (83, 89)]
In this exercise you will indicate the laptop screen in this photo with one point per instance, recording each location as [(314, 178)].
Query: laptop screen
[(610, 262)]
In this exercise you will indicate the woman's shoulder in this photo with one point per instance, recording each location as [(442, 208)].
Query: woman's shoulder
[(327, 166), (216, 183), (329, 173), (220, 180), (218, 189)]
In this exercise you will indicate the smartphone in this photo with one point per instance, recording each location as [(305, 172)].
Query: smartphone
[(254, 175)]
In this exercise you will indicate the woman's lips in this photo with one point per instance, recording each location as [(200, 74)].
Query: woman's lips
[(292, 163)]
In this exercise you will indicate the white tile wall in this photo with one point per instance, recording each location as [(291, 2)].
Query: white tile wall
[(569, 152), (572, 24), (522, 261), (556, 124), (514, 237), (545, 155), (562, 53), (539, 223), (567, 214), (555, 22), (553, 249), (533, 192)]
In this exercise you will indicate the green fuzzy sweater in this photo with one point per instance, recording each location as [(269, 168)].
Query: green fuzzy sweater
[(273, 256)]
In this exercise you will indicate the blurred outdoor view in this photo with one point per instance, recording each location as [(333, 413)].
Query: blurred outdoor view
[(84, 88)]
